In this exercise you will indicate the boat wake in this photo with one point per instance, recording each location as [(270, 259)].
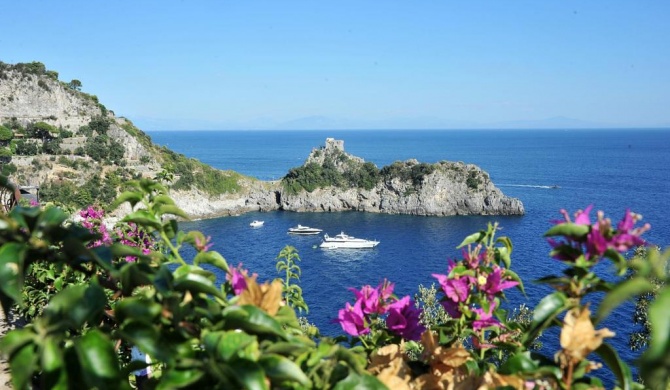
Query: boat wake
[(530, 186)]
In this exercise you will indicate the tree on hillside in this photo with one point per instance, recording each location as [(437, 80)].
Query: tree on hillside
[(41, 130), (6, 135), (5, 155), (75, 85)]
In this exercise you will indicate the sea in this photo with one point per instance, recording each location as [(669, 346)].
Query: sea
[(548, 170)]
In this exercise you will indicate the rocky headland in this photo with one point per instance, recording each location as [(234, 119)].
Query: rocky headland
[(408, 187), (79, 152)]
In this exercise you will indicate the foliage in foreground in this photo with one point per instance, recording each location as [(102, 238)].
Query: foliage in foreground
[(245, 334)]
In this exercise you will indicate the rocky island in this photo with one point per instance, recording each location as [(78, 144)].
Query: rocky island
[(55, 136)]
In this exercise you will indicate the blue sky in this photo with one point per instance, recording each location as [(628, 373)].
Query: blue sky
[(357, 64)]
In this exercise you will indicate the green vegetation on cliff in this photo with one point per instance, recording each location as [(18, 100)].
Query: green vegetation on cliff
[(353, 174), (192, 173), (38, 140)]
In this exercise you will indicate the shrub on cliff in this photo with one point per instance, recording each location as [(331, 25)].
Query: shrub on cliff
[(6, 135)]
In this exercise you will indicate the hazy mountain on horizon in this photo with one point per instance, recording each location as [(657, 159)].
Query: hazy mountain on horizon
[(322, 122)]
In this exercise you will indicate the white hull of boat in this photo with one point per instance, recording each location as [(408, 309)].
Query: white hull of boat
[(342, 241), (304, 230)]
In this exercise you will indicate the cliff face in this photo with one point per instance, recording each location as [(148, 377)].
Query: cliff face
[(445, 188)]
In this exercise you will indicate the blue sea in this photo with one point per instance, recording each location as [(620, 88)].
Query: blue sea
[(610, 169)]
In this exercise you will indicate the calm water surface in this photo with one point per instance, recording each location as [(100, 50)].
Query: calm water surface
[(611, 169)]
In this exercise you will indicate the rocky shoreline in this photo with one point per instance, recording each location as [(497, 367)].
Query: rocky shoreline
[(451, 188)]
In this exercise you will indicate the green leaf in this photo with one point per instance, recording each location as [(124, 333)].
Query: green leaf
[(513, 275), (281, 369), (545, 311), (137, 308), (132, 197), (235, 344), (170, 227), (356, 381), (177, 379), (51, 217), (475, 237), (23, 365), (659, 317), (100, 367), (213, 258), (519, 363), (249, 374), (133, 275), (197, 284), (163, 200), (145, 336), (621, 293), (143, 218), (568, 229), (52, 365), (52, 356), (252, 319), (172, 210), (505, 252), (11, 273), (15, 340), (78, 304), (618, 367), (618, 259)]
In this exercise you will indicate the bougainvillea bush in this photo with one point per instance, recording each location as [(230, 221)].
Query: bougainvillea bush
[(134, 288)]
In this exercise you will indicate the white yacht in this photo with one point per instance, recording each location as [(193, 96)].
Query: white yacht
[(256, 223), (343, 241), (304, 230)]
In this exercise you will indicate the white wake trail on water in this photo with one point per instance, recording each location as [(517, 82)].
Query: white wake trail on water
[(529, 186)]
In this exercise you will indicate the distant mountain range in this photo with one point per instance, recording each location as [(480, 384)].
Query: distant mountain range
[(319, 122)]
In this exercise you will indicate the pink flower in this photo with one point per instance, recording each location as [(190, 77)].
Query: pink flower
[(352, 320), (385, 289), (34, 203), (600, 237), (496, 284), (403, 319), (473, 259), (369, 298), (452, 308), (236, 279), (582, 217), (485, 318), (457, 289), (203, 245)]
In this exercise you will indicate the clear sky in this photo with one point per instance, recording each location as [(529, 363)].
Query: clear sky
[(263, 64)]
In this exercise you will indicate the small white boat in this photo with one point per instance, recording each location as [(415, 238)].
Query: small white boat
[(343, 241), (304, 230), (256, 223)]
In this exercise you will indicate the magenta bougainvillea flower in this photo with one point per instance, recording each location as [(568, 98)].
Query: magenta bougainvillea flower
[(403, 319), (352, 319), (385, 289), (235, 277), (369, 298), (401, 316), (496, 284), (92, 220), (600, 237), (472, 259), (457, 289), (203, 245), (485, 318)]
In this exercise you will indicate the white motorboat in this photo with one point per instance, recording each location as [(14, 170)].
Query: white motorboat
[(256, 223), (343, 241), (304, 230)]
